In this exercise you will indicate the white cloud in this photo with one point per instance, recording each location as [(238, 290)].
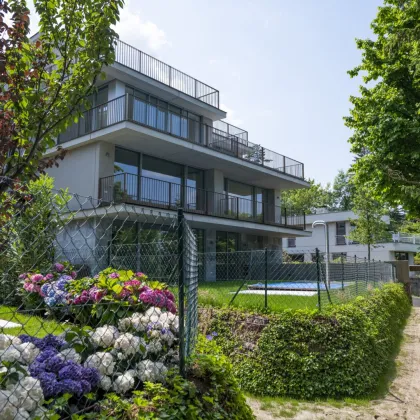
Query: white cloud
[(231, 116), (138, 32)]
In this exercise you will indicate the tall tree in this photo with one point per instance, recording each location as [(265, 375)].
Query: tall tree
[(44, 83), (308, 199), (385, 118), (343, 191), (369, 226)]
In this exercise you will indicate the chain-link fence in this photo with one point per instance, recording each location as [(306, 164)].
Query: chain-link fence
[(275, 280), (94, 299)]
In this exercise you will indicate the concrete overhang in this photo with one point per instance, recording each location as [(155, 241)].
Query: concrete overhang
[(162, 145), (137, 213)]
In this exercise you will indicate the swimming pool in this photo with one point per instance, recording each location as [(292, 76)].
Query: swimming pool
[(292, 285)]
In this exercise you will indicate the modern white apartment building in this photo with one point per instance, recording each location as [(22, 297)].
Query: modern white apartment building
[(399, 246), (155, 138)]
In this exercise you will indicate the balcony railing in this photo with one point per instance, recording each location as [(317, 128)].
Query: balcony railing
[(138, 111), (151, 192), (143, 63)]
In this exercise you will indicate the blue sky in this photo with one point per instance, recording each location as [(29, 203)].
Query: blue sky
[(280, 66)]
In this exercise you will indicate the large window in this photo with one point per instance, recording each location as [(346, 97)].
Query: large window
[(227, 241), (161, 181), (244, 200), (340, 233), (291, 242), (126, 171), (159, 114), (401, 256)]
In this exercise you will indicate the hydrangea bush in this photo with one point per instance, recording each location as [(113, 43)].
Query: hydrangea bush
[(103, 299), (46, 289), (87, 363)]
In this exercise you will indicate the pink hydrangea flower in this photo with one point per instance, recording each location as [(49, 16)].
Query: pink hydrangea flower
[(49, 276), (58, 267), (133, 283), (82, 298), (73, 274), (32, 288), (37, 278), (114, 275), (140, 274), (22, 276), (96, 294)]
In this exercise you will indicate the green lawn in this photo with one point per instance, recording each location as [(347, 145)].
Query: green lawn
[(31, 325), (220, 293)]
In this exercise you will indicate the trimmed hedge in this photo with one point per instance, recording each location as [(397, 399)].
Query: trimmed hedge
[(341, 352)]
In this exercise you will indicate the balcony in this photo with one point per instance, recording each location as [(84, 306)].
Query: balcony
[(151, 192), (131, 57), (229, 140)]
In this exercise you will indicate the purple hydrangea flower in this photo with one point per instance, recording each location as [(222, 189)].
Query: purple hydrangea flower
[(71, 387), (58, 267), (70, 371)]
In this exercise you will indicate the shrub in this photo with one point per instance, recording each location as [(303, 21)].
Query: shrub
[(209, 392), (306, 354), (103, 299)]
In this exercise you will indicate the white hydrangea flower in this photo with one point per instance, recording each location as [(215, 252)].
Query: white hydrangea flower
[(8, 405), (105, 336), (153, 310), (154, 334), (124, 382), (124, 324), (175, 325), (155, 346), (28, 352), (168, 337), (29, 393), (70, 354), (105, 383), (167, 319), (8, 340), (129, 344), (11, 354), (103, 362), (151, 371)]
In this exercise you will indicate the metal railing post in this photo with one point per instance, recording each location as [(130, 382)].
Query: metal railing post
[(342, 271), (318, 277), (285, 217), (181, 296)]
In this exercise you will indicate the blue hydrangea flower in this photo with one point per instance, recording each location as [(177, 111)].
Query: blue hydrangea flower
[(70, 370), (54, 364), (91, 375), (71, 387)]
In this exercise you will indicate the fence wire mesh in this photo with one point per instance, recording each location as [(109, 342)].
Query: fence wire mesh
[(274, 280), (89, 300)]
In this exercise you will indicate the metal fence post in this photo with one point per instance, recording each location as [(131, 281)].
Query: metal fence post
[(266, 280), (366, 272), (357, 275), (181, 297), (374, 274), (318, 275), (342, 271)]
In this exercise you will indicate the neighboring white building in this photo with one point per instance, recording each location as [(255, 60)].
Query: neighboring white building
[(401, 247), (155, 138)]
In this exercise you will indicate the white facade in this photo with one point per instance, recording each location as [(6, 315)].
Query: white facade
[(175, 121), (339, 227)]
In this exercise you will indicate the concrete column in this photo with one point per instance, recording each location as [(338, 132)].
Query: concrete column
[(210, 255), (214, 182), (105, 159), (115, 89)]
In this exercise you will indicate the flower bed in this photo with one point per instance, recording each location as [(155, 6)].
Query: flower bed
[(83, 364), (103, 299)]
